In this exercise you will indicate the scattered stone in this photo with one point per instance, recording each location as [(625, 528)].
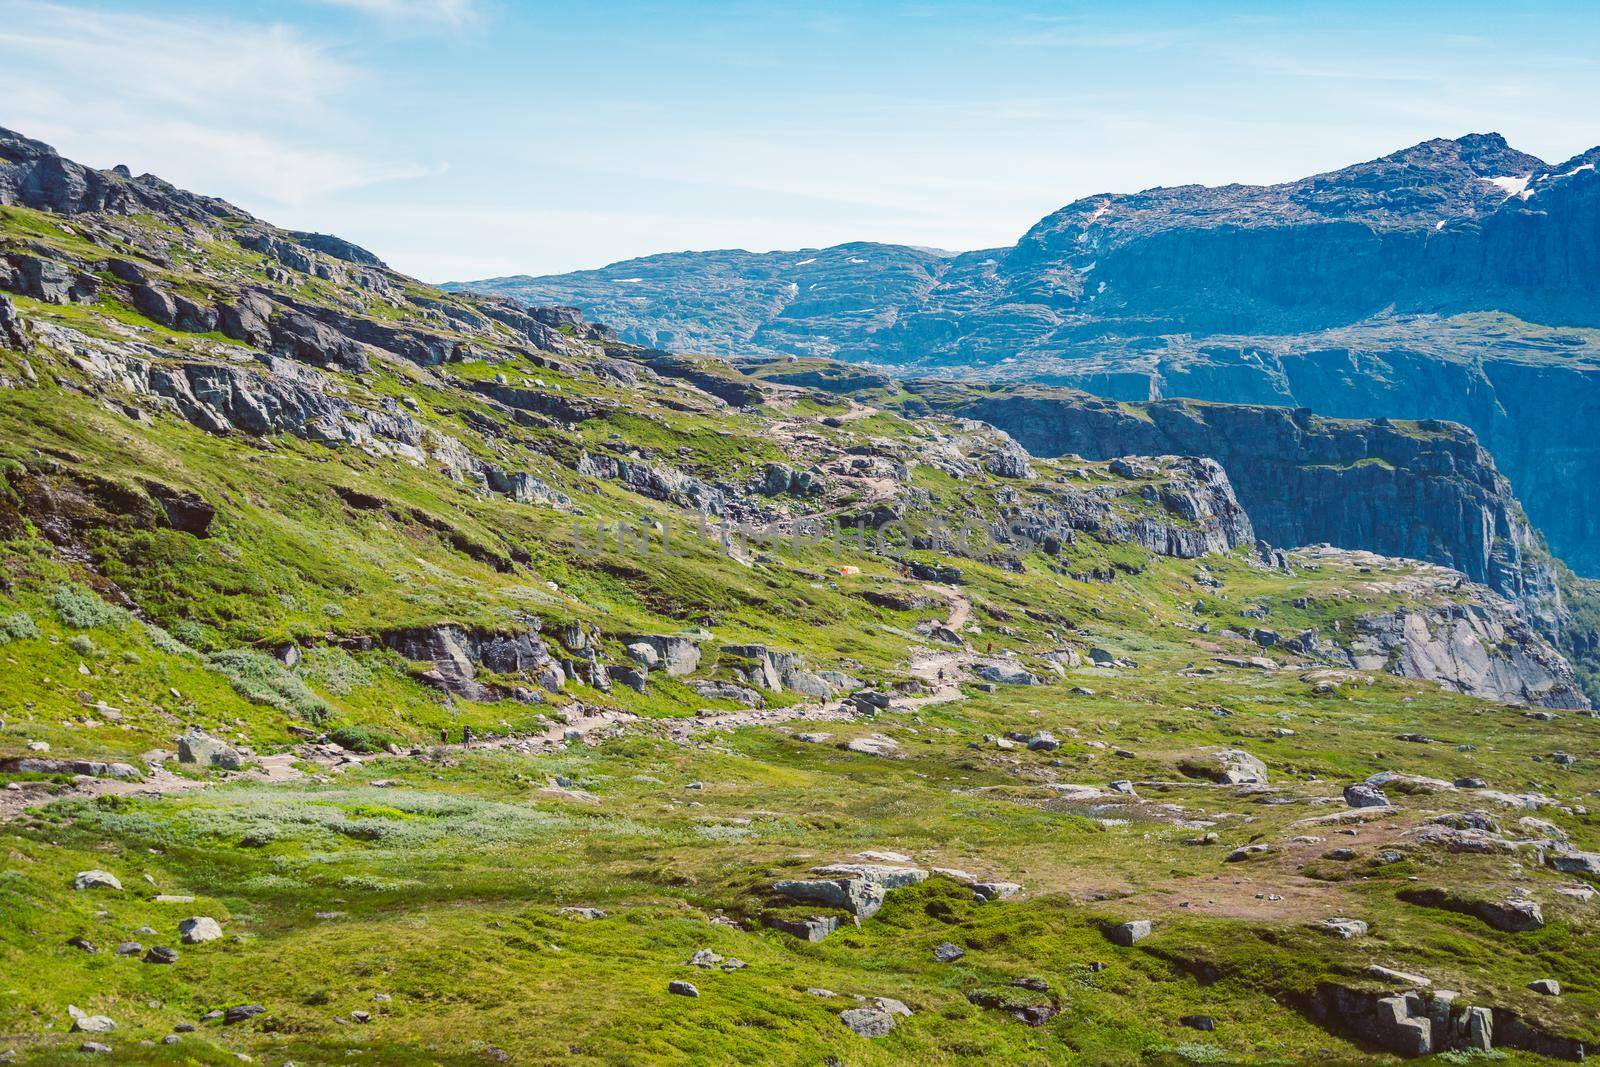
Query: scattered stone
[(1548, 986), (199, 929), (1244, 852), (95, 1048), (682, 988), (83, 945), (240, 1013), (948, 952), (129, 948), (995, 890), (161, 954), (1199, 1022), (1130, 933), (584, 913)]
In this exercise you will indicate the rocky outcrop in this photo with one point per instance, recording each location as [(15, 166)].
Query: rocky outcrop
[(658, 482), (457, 654), (1470, 647), (776, 670), (1423, 491)]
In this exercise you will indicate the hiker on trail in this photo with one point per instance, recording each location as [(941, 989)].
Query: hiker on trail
[(989, 648), (466, 735), (941, 674), (444, 736)]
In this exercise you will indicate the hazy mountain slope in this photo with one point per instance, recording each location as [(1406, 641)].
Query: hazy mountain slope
[(1355, 293)]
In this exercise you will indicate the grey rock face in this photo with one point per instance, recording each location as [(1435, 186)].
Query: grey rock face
[(457, 654), (92, 768), (44, 279), (677, 656), (775, 669), (1486, 653), (1344, 928), (812, 929), (84, 1023), (859, 896), (11, 335)]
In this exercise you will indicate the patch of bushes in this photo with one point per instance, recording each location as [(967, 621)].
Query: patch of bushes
[(259, 677), (82, 609), (17, 627), (358, 738)]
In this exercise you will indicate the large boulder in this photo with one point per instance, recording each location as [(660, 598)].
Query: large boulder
[(1365, 796), (96, 880), (1130, 933), (1238, 767), (861, 897), (200, 748), (867, 1022), (199, 929), (1005, 673)]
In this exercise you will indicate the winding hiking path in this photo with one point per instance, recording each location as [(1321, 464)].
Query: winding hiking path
[(941, 669)]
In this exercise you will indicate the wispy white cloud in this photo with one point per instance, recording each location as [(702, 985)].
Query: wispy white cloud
[(217, 66), (449, 12), (203, 101)]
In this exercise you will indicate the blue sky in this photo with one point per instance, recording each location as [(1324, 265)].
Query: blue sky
[(467, 138)]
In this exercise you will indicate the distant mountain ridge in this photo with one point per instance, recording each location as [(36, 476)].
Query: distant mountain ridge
[(1456, 279)]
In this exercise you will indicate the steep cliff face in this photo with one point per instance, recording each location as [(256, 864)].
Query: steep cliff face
[(1425, 491)]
